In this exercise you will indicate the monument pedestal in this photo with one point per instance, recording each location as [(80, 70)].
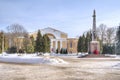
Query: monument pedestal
[(95, 47)]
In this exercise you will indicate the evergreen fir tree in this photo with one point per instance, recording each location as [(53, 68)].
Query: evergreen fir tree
[(79, 45), (46, 43), (87, 41), (39, 42), (86, 44), (2, 42), (83, 43)]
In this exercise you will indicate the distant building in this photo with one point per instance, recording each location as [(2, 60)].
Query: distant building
[(58, 40), (18, 42), (72, 45)]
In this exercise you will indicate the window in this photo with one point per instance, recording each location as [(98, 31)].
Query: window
[(71, 44)]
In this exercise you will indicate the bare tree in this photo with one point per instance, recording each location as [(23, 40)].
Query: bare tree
[(110, 35), (101, 32), (15, 31)]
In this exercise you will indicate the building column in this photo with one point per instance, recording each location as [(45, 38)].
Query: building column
[(56, 44), (51, 45)]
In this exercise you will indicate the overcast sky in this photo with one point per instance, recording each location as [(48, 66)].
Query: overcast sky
[(70, 16)]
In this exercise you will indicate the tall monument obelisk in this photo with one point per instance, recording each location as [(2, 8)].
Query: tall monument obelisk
[(94, 26), (94, 44)]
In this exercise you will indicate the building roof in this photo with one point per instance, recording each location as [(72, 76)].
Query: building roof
[(54, 30)]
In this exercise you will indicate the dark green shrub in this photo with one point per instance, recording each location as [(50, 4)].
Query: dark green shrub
[(12, 49), (63, 51), (21, 51), (57, 51), (108, 49)]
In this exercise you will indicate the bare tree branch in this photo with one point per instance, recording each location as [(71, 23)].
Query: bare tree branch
[(15, 31)]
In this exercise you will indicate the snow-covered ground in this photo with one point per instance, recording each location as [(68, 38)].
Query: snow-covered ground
[(77, 69), (30, 58), (48, 58)]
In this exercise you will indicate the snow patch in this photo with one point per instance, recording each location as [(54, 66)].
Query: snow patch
[(118, 57), (116, 66), (31, 58)]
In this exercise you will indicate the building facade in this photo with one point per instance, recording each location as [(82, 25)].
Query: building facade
[(58, 40), (72, 45)]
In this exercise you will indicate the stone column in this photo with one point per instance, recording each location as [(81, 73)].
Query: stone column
[(51, 45), (94, 44), (56, 44), (94, 26)]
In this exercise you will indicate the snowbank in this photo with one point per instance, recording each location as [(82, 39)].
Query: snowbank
[(111, 55), (82, 55), (30, 58), (59, 54)]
